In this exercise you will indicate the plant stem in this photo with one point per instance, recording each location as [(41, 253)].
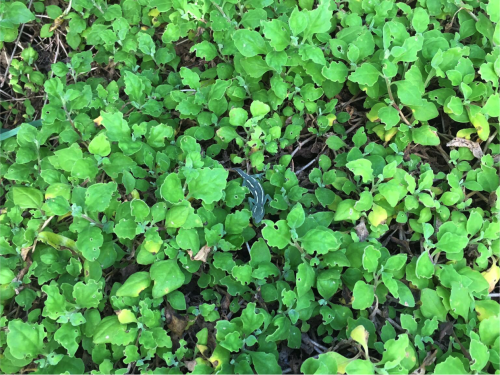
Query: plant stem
[(389, 91)]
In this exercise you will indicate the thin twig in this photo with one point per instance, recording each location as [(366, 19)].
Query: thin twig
[(14, 50), (308, 164), (353, 99), (490, 139), (389, 91), (462, 348), (8, 95), (356, 125), (56, 55), (428, 360), (482, 197), (92, 221), (444, 155), (301, 144), (307, 339)]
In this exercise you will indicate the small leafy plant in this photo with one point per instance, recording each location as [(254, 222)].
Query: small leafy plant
[(358, 234)]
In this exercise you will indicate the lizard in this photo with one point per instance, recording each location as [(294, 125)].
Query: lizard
[(259, 199)]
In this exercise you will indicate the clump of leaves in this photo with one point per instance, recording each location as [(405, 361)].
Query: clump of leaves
[(129, 240)]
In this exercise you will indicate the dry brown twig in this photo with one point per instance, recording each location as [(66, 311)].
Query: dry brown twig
[(4, 79)]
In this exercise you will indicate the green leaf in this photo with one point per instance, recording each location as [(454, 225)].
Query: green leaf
[(208, 185), (265, 363), (336, 72), (425, 266), (363, 295), (98, 196), (108, 329), (238, 116), (320, 239), (276, 234), (167, 276), (479, 353), (277, 32), (252, 320), (460, 300), (420, 20), (89, 242), (328, 282), (139, 209), (157, 135), (17, 13), (425, 135), (171, 189), (205, 50), (232, 342), (485, 26), (451, 365), (188, 239), (259, 109), (370, 258), (25, 340), (318, 20), (134, 285), (305, 279), (296, 216), (492, 106), (346, 211), (118, 128), (26, 197), (359, 367), (366, 74), (249, 43), (190, 78), (389, 116), (67, 336), (432, 305), (363, 168), (325, 364), (407, 93), (298, 21), (493, 10), (488, 330), (146, 44), (452, 243), (126, 228), (87, 295)]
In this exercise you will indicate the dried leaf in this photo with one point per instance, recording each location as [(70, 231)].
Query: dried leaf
[(175, 322), (57, 22), (25, 251), (98, 121), (201, 255), (472, 146), (361, 231), (190, 365)]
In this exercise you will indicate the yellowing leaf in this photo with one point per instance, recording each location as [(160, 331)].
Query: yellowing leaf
[(360, 335), (492, 276), (57, 241), (126, 316), (377, 216)]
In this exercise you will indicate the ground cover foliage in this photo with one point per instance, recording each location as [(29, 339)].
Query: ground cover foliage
[(128, 243)]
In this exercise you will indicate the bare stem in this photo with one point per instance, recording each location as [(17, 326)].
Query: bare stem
[(14, 50), (389, 91)]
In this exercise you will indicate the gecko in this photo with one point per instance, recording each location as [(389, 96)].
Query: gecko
[(259, 199)]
